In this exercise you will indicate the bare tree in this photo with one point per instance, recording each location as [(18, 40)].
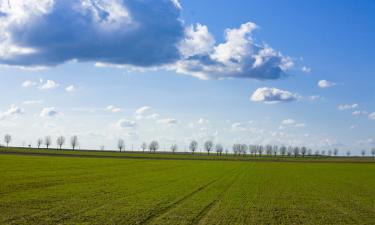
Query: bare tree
[(317, 153), (74, 142), (120, 144), (236, 149), (208, 145), (296, 151), (363, 153), (7, 139), (290, 151), (219, 149), (330, 152), (335, 152), (275, 150), (243, 149), (373, 152), (283, 150), (303, 151), (174, 148), (144, 146), (269, 150), (193, 146), (60, 141), (154, 146), (39, 142), (253, 149), (260, 150), (47, 141), (348, 153)]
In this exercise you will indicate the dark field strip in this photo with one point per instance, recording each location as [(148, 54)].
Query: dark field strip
[(84, 190), (180, 156)]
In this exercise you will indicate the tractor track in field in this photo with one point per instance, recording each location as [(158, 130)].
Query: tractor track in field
[(259, 159), (208, 208), (165, 209)]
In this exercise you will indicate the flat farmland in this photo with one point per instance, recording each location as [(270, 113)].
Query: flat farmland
[(83, 190)]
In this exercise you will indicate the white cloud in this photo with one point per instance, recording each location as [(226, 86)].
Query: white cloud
[(299, 125), (125, 124), (326, 84), (348, 106), (288, 122), (315, 97), (167, 121), (238, 127), (49, 112), (177, 4), (372, 116), (113, 109), (359, 113), (272, 95), (152, 116), (70, 88), (202, 121), (306, 69), (198, 41), (12, 112), (48, 85), (237, 57), (143, 112), (28, 83)]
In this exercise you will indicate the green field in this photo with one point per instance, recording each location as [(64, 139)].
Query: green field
[(93, 190)]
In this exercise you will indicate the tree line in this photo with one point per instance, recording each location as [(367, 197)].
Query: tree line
[(208, 146)]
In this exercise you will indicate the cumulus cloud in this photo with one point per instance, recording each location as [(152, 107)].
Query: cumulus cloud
[(299, 125), (167, 121), (372, 116), (113, 109), (306, 69), (326, 84), (70, 88), (238, 127), (359, 113), (51, 32), (272, 95), (315, 97), (28, 83), (237, 57), (49, 112), (48, 85), (288, 122), (203, 121), (146, 33), (126, 124), (348, 106), (12, 112), (143, 112)]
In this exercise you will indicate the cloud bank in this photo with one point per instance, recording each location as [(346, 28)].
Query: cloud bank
[(51, 32), (148, 33)]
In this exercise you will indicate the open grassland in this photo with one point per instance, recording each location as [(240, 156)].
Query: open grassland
[(83, 190)]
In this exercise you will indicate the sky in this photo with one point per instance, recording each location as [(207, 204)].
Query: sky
[(290, 72)]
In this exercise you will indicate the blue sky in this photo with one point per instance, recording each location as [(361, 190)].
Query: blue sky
[(255, 72)]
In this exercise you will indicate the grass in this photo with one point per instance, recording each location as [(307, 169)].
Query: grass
[(86, 190)]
